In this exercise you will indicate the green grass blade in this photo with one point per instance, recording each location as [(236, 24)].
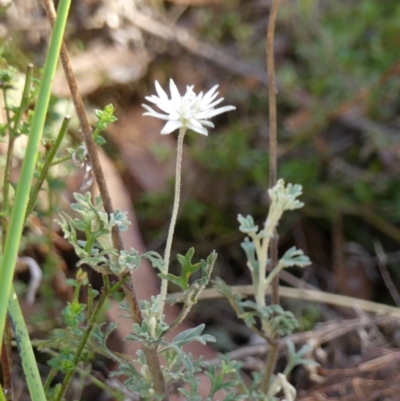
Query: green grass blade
[(28, 359), (25, 182)]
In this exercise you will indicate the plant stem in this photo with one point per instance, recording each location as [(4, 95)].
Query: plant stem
[(271, 276), (272, 354), (47, 165), (10, 148), (270, 366), (262, 255), (167, 254), (6, 348), (49, 379), (25, 349), (2, 397), (6, 362), (25, 99), (62, 160)]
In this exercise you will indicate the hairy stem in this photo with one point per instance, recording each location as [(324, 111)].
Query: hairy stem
[(270, 366), (167, 254)]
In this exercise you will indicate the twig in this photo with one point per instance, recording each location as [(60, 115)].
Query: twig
[(382, 259), (272, 354), (272, 133), (305, 295), (130, 294), (320, 335)]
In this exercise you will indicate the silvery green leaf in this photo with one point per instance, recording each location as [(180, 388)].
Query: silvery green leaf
[(190, 396), (121, 220), (101, 336), (79, 224), (295, 257), (155, 259), (65, 225), (226, 291), (129, 260), (249, 249), (188, 268), (285, 198), (247, 224), (297, 358), (189, 335), (81, 243), (284, 323), (206, 268)]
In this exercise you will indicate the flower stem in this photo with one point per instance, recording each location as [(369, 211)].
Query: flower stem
[(167, 254)]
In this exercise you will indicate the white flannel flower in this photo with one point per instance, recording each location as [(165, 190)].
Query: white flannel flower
[(189, 111)]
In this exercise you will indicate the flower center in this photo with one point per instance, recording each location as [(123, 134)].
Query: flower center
[(189, 107)]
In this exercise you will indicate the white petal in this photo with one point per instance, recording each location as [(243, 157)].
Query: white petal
[(175, 95), (163, 96), (210, 94), (174, 115), (200, 96), (164, 106), (194, 122), (200, 130), (151, 112), (213, 113), (153, 99), (206, 122), (171, 126), (215, 103)]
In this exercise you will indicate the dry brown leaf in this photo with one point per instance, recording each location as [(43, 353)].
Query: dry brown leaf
[(101, 65)]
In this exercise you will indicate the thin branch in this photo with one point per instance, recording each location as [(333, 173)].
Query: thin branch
[(270, 366), (273, 162), (303, 294), (272, 133), (382, 260)]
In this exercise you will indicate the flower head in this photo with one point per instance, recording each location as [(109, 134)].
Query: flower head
[(190, 110)]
